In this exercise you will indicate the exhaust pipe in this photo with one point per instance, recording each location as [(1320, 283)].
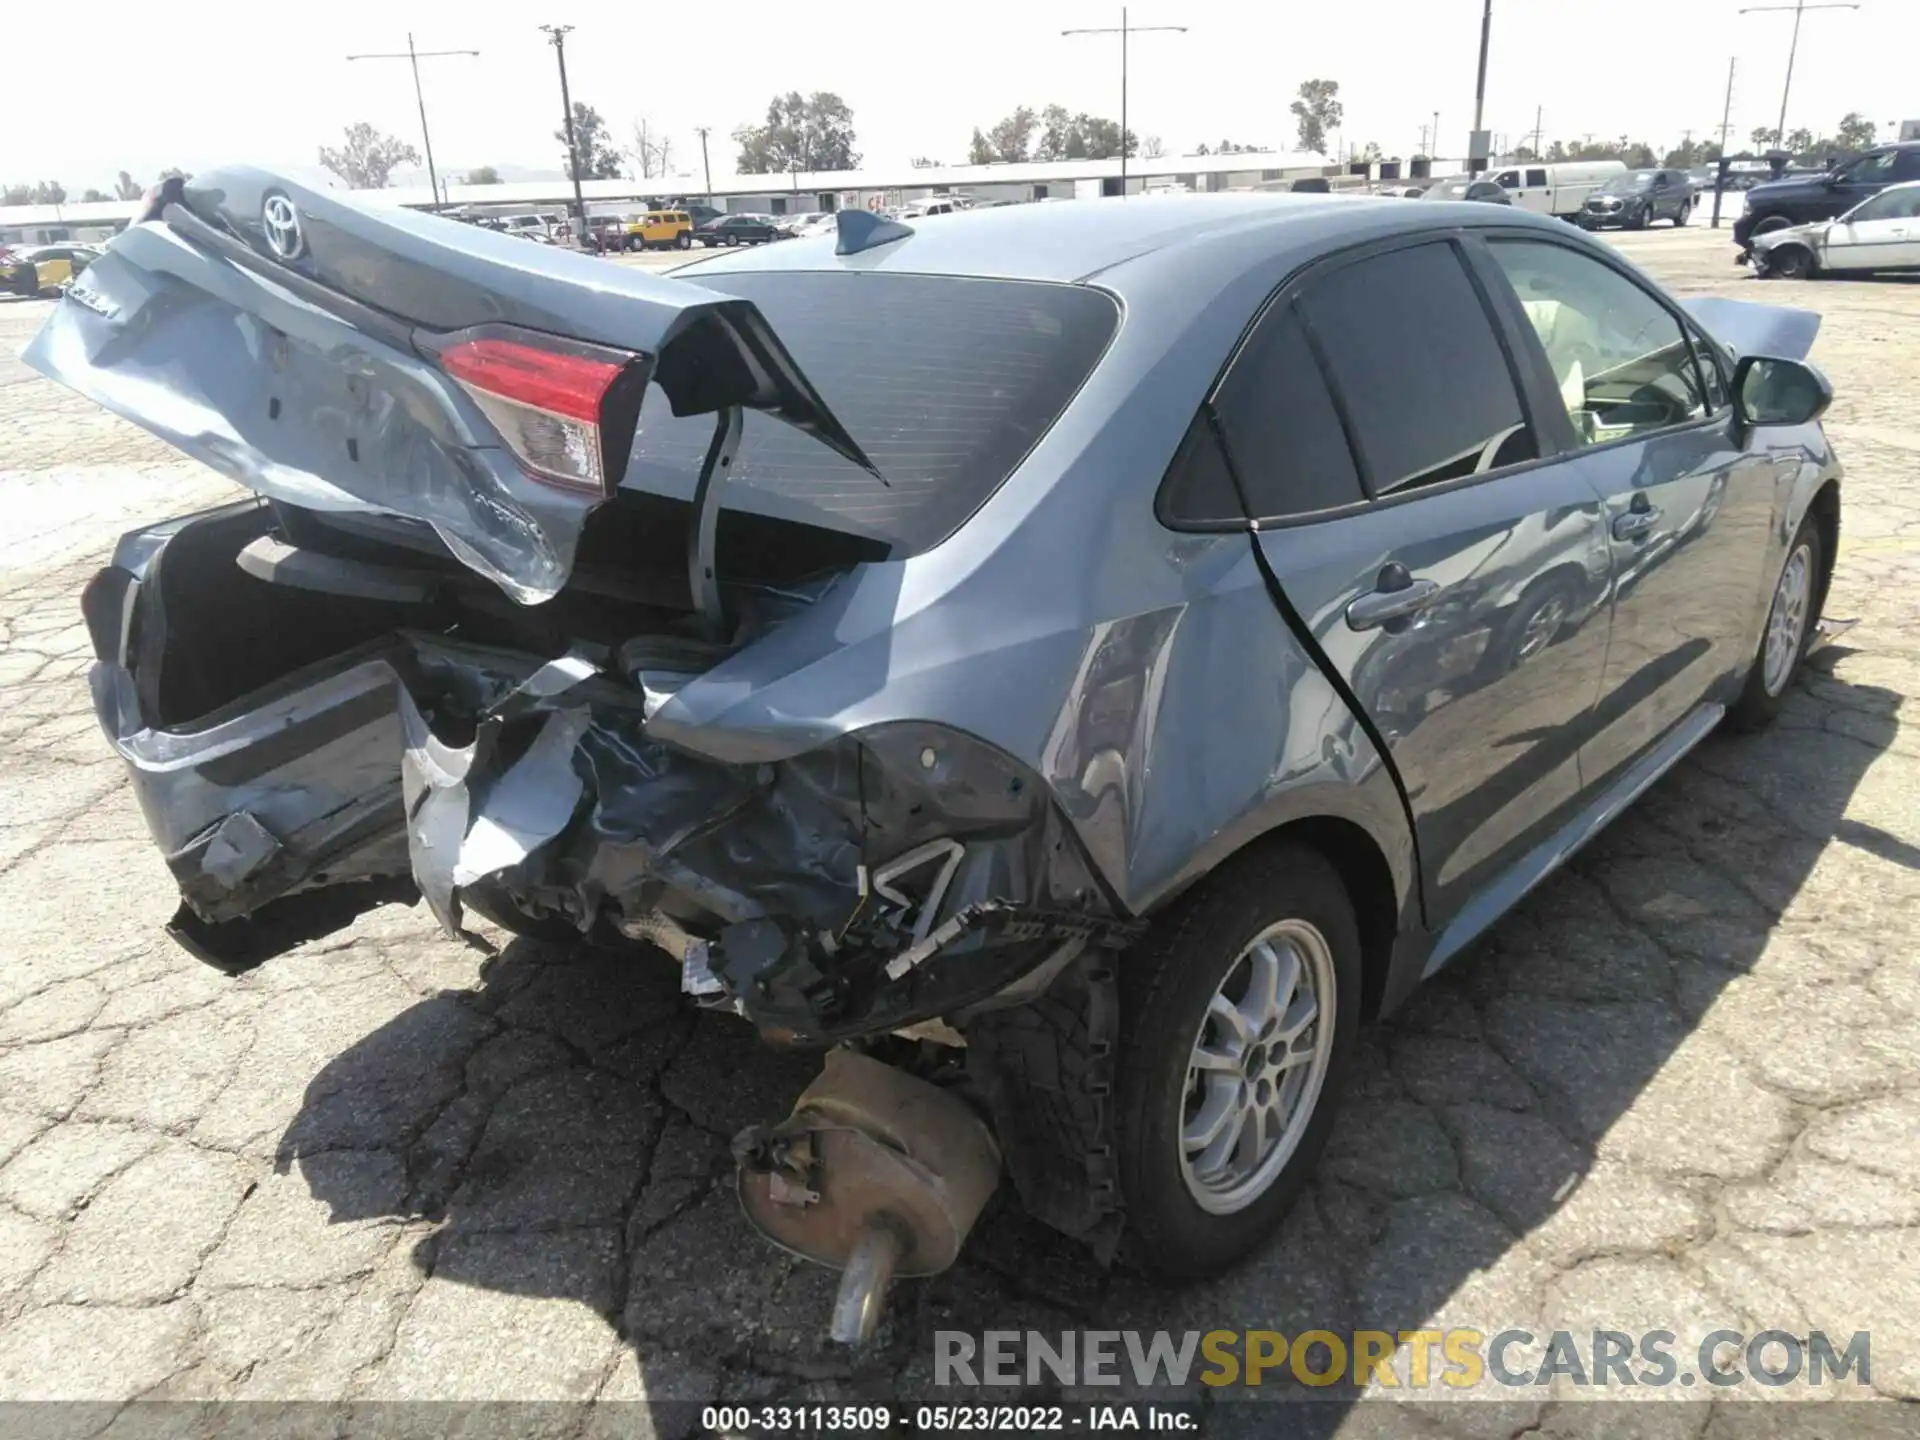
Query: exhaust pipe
[(875, 1173)]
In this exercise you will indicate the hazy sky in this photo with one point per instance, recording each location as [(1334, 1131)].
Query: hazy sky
[(144, 85)]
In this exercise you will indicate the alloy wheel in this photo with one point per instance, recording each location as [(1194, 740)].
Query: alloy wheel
[(1258, 1065), (1541, 627), (1787, 620)]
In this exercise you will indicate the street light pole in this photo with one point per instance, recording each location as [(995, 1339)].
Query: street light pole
[(705, 168), (558, 35), (413, 57), (1799, 8), (1123, 31)]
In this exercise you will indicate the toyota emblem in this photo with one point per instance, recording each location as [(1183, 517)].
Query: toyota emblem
[(282, 224)]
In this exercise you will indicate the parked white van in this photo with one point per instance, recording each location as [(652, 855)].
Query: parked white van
[(1559, 189)]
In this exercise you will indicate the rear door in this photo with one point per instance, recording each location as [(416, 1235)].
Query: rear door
[(1446, 568), (1688, 509)]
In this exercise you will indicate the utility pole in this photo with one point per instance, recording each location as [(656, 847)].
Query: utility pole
[(1432, 154), (1726, 111), (1726, 126), (1477, 145), (1123, 32), (1423, 143), (558, 35), (1799, 8), (413, 57), (705, 168), (1538, 111)]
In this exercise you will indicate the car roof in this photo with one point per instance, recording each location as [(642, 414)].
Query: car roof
[(1078, 240)]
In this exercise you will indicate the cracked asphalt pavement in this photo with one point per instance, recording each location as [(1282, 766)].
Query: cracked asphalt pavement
[(1679, 1088)]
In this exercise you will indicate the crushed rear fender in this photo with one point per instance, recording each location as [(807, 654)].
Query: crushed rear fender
[(308, 372)]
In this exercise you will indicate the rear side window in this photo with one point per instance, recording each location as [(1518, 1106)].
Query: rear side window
[(1282, 432), (1536, 178), (946, 382), (1415, 359)]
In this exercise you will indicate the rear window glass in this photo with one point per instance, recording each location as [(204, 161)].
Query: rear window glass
[(946, 382)]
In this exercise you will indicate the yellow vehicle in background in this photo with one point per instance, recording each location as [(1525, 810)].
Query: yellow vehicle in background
[(659, 230), (42, 269)]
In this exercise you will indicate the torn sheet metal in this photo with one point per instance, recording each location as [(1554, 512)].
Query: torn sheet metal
[(456, 839), (1755, 329), (306, 374)]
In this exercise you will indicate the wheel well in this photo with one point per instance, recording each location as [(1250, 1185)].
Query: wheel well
[(1369, 882), (1825, 512)]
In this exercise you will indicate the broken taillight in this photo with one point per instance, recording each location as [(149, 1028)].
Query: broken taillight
[(560, 407)]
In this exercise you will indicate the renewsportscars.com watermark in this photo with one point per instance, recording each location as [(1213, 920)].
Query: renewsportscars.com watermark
[(1458, 1359)]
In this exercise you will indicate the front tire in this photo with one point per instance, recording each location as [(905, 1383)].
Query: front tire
[(1791, 620), (1239, 1016), (1680, 216), (1790, 262)]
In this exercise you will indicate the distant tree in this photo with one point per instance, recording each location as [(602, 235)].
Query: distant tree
[(485, 175), (1061, 136), (1764, 139), (598, 158), (127, 188), (1856, 132), (1100, 138), (1012, 138), (1801, 141), (651, 151), (922, 162), (1155, 147), (368, 157), (1317, 112), (16, 195), (49, 192), (1371, 152), (1056, 135), (91, 196), (802, 132)]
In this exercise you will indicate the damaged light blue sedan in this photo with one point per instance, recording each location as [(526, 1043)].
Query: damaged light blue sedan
[(1072, 663)]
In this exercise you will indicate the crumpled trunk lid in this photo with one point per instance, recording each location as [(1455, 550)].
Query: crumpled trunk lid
[(291, 339)]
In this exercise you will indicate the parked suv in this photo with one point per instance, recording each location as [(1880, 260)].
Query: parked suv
[(660, 230), (1802, 199), (1637, 199)]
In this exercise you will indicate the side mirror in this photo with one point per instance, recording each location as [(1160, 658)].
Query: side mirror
[(1768, 390)]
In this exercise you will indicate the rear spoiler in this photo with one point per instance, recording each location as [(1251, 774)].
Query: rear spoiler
[(297, 341)]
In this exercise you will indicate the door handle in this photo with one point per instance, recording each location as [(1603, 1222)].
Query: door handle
[(1636, 522), (1391, 602)]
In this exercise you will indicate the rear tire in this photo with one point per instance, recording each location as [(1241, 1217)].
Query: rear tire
[(1188, 1068), (683, 241), (1792, 618)]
